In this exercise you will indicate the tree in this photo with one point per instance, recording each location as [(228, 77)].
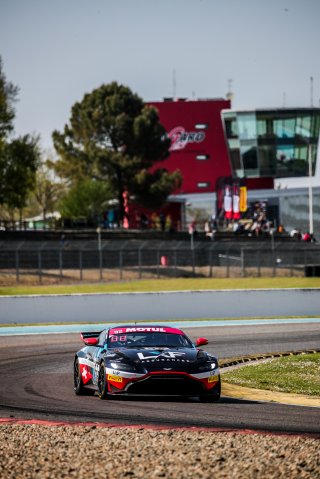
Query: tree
[(88, 199), (19, 157), (114, 136), (8, 95), (47, 190)]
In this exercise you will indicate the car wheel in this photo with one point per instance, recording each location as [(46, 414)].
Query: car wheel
[(102, 382), (78, 387), (213, 396)]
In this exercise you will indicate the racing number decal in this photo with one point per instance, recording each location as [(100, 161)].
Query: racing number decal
[(115, 339)]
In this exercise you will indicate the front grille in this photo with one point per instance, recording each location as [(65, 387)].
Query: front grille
[(161, 364), (167, 385)]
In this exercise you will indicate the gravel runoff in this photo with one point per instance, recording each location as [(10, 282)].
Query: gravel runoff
[(40, 451)]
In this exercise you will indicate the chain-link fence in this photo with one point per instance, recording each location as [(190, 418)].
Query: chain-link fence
[(53, 262)]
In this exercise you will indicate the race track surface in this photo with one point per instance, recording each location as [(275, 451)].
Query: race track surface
[(37, 382)]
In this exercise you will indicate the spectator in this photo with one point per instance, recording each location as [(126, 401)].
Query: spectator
[(162, 221), (307, 237), (295, 233)]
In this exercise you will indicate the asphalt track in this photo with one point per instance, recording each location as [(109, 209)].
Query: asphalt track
[(36, 382)]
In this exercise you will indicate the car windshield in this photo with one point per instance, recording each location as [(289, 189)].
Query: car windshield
[(148, 340)]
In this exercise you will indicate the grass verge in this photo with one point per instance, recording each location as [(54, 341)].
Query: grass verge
[(178, 284), (290, 374)]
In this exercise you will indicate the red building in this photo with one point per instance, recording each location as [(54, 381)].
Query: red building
[(198, 147)]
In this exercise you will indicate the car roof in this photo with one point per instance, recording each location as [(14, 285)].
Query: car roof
[(135, 328)]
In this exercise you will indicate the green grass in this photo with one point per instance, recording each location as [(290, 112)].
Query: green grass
[(289, 374), (179, 284)]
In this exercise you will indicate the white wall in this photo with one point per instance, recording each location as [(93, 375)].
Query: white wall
[(159, 306)]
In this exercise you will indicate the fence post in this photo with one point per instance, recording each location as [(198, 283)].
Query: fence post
[(291, 265), (139, 262), (274, 260), (80, 265), (40, 267), (175, 262), (100, 264), (210, 263), (140, 259), (60, 264), (120, 263), (158, 263), (259, 264), (242, 264), (17, 267), (193, 262)]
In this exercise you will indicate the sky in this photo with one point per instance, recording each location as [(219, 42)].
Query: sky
[(56, 51)]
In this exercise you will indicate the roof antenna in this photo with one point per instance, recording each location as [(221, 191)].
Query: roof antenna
[(311, 92)]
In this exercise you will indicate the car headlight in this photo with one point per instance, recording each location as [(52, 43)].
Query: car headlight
[(208, 366), (122, 366)]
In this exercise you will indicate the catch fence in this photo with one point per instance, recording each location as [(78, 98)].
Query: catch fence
[(53, 262)]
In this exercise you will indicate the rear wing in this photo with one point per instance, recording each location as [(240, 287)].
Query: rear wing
[(91, 337)]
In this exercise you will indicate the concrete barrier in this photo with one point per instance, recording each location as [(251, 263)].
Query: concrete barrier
[(159, 306)]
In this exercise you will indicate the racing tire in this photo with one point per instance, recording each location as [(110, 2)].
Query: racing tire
[(78, 385), (212, 397), (102, 383)]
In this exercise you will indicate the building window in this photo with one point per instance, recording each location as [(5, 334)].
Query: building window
[(203, 184), (201, 126), (202, 157)]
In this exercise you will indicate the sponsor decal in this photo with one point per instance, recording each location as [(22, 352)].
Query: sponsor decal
[(144, 329), (112, 377), (213, 379), (180, 138), (138, 330), (163, 355), (85, 373)]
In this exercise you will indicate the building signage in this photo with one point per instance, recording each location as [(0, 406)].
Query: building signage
[(180, 138)]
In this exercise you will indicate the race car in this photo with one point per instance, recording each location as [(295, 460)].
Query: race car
[(145, 360)]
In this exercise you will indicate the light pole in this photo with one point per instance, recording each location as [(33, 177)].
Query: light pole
[(99, 238), (310, 191)]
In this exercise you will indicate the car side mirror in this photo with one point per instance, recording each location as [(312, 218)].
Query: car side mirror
[(201, 341)]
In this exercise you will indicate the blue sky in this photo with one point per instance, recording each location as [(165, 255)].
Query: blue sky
[(58, 50)]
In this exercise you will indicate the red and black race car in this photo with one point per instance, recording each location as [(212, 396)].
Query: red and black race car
[(145, 360)]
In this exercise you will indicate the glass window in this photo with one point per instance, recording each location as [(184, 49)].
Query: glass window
[(267, 161), (250, 160), (148, 339), (236, 161), (285, 160), (285, 127), (261, 128), (303, 127), (265, 125), (247, 126), (231, 127)]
